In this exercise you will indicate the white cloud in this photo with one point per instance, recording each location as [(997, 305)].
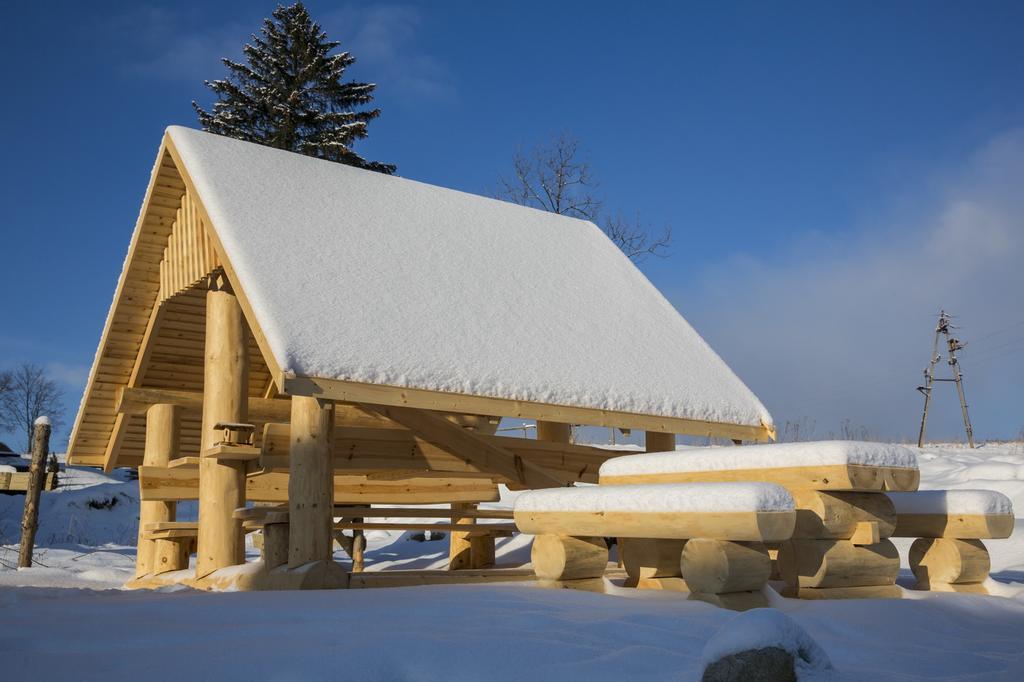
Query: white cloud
[(841, 327)]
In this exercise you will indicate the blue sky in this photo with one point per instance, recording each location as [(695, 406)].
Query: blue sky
[(834, 173)]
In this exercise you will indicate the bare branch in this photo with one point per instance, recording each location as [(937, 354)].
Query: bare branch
[(553, 178), (636, 240), (29, 394)]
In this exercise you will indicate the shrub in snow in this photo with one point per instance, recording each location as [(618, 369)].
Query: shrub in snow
[(761, 644)]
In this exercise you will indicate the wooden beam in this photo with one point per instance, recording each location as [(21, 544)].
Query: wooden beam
[(655, 441), (181, 483), (138, 369), (380, 394), (484, 455), (554, 432), (390, 448), (137, 400)]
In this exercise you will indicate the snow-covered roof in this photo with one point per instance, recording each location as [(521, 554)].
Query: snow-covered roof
[(358, 276)]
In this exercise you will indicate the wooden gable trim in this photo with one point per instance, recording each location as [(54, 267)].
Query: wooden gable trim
[(133, 303), (380, 394), (229, 270)]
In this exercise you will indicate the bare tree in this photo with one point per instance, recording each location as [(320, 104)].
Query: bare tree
[(555, 178), (30, 394)]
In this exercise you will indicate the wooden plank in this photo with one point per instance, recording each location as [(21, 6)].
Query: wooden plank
[(171, 525), (472, 528), (380, 394), (419, 513), (484, 455), (738, 526)]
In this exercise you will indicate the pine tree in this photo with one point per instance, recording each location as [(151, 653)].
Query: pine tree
[(290, 94)]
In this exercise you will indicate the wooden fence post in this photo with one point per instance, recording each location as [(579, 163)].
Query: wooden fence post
[(36, 474)]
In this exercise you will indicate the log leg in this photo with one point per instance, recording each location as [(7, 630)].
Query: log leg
[(838, 563), (947, 561), (310, 483), (225, 399), (163, 428), (460, 547), (720, 567), (563, 557), (651, 558)]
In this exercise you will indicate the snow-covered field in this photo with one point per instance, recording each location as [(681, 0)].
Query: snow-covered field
[(67, 617)]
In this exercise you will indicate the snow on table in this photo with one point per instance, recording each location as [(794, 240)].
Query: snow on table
[(359, 276), (768, 456), (982, 502), (660, 497)]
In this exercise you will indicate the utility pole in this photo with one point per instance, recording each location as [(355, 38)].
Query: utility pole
[(952, 346)]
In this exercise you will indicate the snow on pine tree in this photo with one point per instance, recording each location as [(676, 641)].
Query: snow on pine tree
[(290, 94)]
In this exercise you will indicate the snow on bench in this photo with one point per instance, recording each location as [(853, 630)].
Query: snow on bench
[(821, 465), (963, 514), (727, 511)]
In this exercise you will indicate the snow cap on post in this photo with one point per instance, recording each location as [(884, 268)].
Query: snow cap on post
[(42, 421)]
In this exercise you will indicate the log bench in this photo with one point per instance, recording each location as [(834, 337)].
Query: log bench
[(710, 537), (948, 554)]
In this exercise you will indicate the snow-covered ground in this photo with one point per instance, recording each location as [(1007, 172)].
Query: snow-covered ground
[(67, 617)]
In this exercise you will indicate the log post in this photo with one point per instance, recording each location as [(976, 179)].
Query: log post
[(163, 428), (656, 441), (460, 546), (225, 399), (310, 482), (36, 474)]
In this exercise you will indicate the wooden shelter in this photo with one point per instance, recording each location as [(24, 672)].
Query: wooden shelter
[(292, 331)]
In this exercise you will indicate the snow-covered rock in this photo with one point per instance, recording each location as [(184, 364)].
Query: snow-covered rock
[(761, 645)]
